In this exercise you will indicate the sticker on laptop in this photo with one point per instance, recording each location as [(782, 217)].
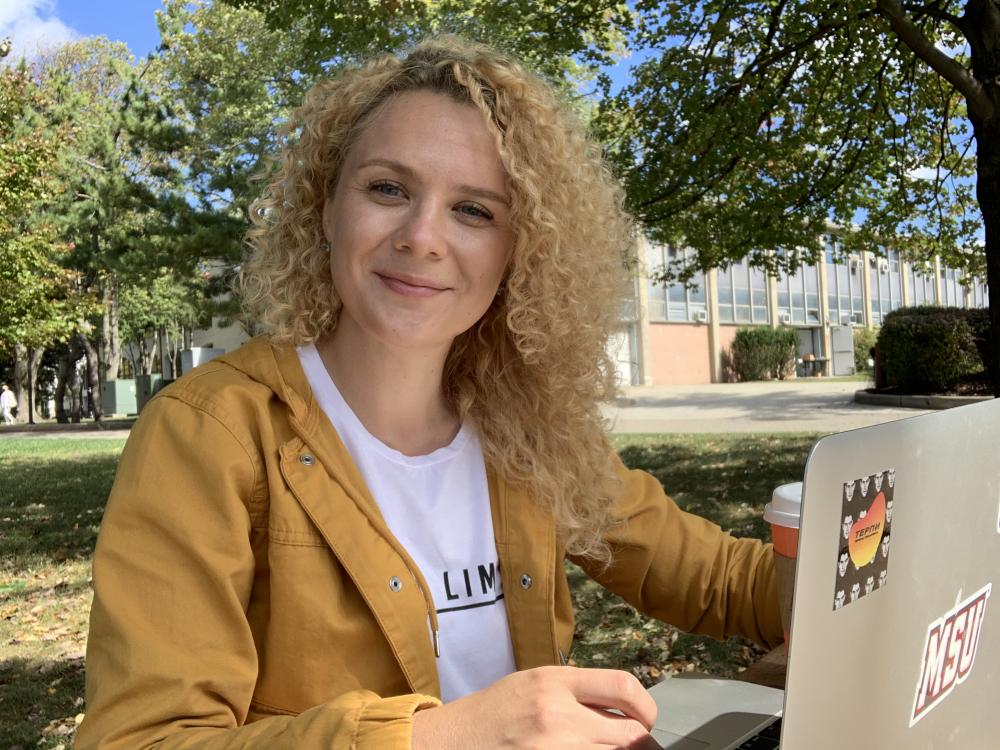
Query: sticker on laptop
[(949, 651), (865, 535)]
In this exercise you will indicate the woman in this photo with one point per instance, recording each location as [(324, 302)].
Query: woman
[(350, 533)]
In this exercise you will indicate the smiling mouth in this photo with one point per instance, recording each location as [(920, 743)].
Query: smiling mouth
[(409, 288)]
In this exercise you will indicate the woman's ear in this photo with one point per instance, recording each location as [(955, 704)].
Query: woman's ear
[(326, 221)]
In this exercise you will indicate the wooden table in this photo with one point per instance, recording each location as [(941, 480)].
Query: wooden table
[(769, 670)]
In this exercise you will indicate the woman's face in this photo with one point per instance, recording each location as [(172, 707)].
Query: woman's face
[(418, 223)]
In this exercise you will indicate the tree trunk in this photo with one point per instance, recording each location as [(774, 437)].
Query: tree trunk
[(21, 381), (76, 394), (988, 194), (147, 354), (169, 352), (25, 373), (983, 34), (93, 376), (36, 361), (61, 377), (68, 377), (111, 340)]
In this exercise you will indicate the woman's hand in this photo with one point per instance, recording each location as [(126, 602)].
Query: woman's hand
[(547, 707)]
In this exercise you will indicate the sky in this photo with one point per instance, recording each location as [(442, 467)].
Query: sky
[(34, 23)]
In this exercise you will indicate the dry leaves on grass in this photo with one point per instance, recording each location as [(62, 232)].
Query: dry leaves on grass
[(612, 634)]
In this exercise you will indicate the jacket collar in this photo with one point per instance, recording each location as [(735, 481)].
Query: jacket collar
[(277, 366)]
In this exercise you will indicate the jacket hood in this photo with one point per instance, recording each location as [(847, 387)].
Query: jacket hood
[(277, 367)]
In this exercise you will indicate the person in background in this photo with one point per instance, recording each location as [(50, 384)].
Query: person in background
[(7, 404), (350, 532)]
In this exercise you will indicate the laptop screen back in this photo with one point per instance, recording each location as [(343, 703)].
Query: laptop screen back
[(896, 623)]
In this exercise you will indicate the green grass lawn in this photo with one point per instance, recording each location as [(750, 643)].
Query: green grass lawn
[(52, 494)]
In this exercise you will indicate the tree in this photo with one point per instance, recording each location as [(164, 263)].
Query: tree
[(754, 125), (565, 41), (165, 305), (124, 209), (39, 299), (232, 82)]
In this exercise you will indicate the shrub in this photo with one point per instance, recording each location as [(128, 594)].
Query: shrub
[(930, 348), (979, 323), (762, 352), (864, 340)]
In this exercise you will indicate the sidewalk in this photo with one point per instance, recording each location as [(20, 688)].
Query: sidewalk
[(813, 405), (117, 428)]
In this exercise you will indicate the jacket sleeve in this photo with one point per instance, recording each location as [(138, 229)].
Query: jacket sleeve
[(171, 660), (683, 569)]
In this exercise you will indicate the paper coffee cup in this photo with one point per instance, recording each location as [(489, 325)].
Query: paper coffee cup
[(783, 514)]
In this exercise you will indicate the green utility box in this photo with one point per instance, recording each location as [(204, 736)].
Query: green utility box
[(118, 397), (146, 388)]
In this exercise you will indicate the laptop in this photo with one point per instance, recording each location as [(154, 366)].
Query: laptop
[(895, 627)]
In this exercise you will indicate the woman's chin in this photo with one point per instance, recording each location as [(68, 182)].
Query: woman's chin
[(414, 336)]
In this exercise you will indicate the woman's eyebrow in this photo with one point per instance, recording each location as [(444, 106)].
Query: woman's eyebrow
[(396, 166), (484, 193), (377, 161)]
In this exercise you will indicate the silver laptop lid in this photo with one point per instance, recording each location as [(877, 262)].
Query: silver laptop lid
[(896, 622)]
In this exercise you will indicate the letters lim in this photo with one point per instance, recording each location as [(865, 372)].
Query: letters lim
[(949, 652), (484, 577)]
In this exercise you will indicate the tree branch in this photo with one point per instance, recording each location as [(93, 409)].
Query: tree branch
[(980, 106), (934, 12)]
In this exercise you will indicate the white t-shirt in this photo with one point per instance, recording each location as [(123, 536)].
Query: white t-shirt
[(438, 507)]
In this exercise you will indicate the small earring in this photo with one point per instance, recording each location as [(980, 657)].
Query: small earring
[(500, 290), (324, 246)]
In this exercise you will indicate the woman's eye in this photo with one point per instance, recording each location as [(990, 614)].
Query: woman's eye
[(384, 187), (475, 211)]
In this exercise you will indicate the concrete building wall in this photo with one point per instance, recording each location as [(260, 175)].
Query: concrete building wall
[(680, 354), (229, 338), (727, 332)]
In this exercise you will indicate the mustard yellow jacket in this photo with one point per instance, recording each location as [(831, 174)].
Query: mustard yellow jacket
[(242, 594)]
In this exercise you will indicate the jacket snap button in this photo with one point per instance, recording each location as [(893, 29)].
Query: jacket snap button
[(525, 581), (395, 584), (307, 459)]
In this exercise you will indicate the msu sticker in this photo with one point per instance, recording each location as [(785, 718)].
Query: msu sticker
[(949, 652), (864, 537)]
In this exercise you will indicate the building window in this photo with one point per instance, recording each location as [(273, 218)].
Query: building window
[(979, 297), (885, 283), (951, 287), (675, 302), (742, 294), (798, 296), (845, 290), (922, 286)]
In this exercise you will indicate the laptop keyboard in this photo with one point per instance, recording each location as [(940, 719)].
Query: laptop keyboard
[(766, 739)]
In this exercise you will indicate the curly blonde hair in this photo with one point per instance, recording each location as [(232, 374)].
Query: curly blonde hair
[(532, 371)]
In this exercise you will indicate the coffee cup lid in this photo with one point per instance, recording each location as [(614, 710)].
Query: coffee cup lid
[(785, 506)]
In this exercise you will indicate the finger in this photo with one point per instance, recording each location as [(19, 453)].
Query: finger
[(611, 688), (605, 728)]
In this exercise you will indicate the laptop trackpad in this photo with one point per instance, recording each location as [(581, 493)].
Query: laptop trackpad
[(671, 741), (713, 712)]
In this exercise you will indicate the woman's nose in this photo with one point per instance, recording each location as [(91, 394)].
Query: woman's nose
[(422, 231)]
